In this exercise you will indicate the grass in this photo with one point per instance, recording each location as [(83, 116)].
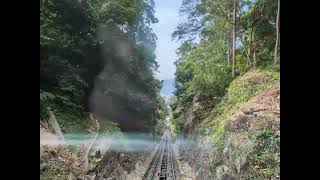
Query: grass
[(264, 161), (219, 145), (240, 91)]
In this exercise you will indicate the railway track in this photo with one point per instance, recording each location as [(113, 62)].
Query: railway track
[(163, 165)]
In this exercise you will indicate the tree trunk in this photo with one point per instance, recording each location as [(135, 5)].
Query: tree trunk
[(229, 39), (250, 46), (53, 123), (234, 41), (153, 124), (95, 132), (246, 50), (229, 47), (254, 59), (278, 33)]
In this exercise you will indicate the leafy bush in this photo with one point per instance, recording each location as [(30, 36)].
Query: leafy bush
[(45, 99), (264, 161), (107, 126), (72, 121)]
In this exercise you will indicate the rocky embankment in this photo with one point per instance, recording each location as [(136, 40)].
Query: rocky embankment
[(124, 165), (241, 138), (57, 158), (92, 156)]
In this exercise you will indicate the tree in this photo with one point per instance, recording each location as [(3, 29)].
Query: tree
[(278, 33), (234, 39), (98, 56), (189, 29), (235, 35)]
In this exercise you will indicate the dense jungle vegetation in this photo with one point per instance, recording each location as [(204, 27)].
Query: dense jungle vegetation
[(98, 56)]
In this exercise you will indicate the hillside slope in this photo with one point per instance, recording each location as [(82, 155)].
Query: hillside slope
[(241, 136)]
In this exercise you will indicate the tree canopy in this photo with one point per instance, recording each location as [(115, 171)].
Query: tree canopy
[(98, 56), (235, 36)]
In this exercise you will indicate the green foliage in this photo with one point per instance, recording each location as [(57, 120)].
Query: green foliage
[(160, 116), (241, 90), (72, 121), (242, 64), (176, 125), (264, 161), (203, 70), (79, 41), (219, 142), (202, 73), (109, 127), (176, 116), (45, 99), (68, 114)]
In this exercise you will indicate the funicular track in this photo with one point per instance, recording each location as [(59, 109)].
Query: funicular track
[(163, 165)]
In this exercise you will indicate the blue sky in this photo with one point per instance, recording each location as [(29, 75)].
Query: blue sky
[(167, 12)]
